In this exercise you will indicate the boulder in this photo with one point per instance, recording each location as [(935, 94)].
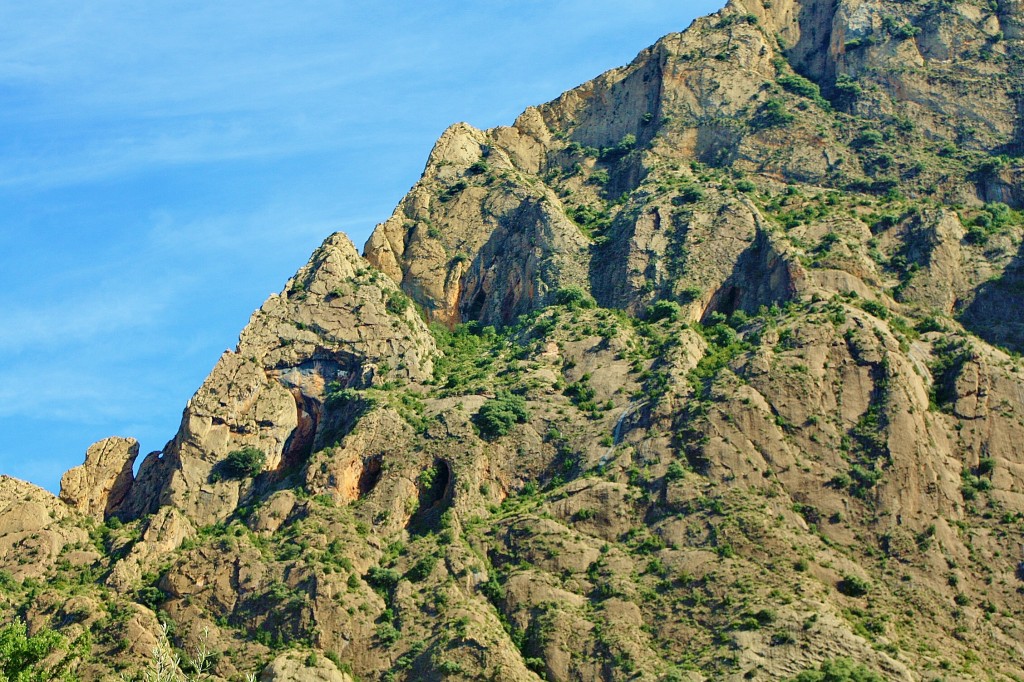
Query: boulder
[(294, 667)]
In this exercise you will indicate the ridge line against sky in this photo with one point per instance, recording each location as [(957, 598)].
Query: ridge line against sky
[(163, 168)]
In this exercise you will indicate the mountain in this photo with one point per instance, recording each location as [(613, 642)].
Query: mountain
[(707, 370)]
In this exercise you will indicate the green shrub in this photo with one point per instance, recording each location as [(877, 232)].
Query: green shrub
[(875, 308), (737, 19), (338, 395), (449, 668), (397, 303), (382, 579), (675, 471), (798, 85), (151, 596), (950, 357), (573, 298), (972, 484), (21, 656), (624, 146), (839, 670), (453, 191), (582, 393), (388, 634), (663, 310), (688, 194), (773, 114), (497, 415), (847, 90), (868, 138), (903, 31), (690, 294), (244, 463), (852, 586), (422, 569), (590, 220)]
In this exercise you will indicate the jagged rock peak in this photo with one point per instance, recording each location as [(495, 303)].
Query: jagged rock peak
[(100, 484), (785, 91), (338, 324)]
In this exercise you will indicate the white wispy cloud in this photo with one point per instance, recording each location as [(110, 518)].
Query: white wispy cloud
[(128, 86)]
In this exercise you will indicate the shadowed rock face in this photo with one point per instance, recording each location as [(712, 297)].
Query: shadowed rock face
[(748, 404), (994, 312)]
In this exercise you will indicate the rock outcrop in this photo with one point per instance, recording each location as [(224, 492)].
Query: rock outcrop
[(723, 94), (34, 531), (100, 485), (290, 668), (338, 325)]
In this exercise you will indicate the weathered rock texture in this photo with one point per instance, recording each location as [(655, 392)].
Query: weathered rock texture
[(338, 324), (100, 485), (32, 532), (751, 399), (288, 668)]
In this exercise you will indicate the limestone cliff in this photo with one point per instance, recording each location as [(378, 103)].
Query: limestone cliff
[(724, 384)]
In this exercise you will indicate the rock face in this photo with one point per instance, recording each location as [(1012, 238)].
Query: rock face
[(941, 65), (338, 325), (604, 150), (99, 486), (33, 532), (740, 392), (434, 245)]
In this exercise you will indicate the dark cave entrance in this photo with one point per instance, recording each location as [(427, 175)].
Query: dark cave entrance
[(435, 495)]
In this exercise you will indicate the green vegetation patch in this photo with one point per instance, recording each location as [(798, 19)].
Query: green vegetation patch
[(247, 462), (839, 670), (497, 416)]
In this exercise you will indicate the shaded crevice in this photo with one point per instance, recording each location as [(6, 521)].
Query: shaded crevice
[(994, 312), (340, 413), (810, 56), (725, 301), (718, 146), (435, 489), (761, 277), (472, 312), (370, 475), (299, 445), (609, 266), (497, 289)]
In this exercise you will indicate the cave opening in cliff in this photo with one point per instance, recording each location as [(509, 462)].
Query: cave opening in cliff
[(370, 475), (477, 305), (435, 490)]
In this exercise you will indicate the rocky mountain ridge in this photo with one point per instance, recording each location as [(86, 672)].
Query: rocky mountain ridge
[(708, 369)]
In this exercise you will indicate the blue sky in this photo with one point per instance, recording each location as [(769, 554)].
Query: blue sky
[(166, 166)]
